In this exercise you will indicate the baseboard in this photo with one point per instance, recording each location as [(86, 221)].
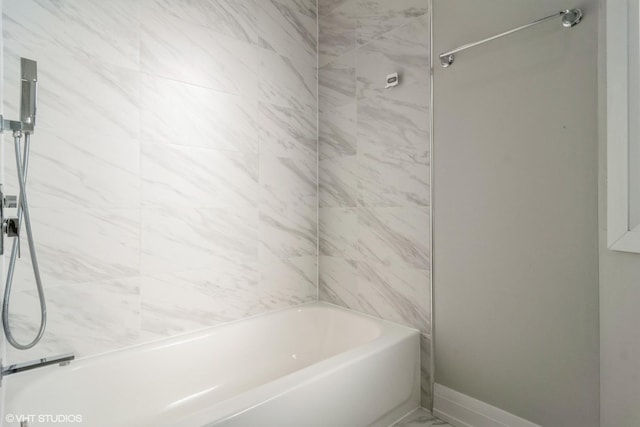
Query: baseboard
[(461, 410)]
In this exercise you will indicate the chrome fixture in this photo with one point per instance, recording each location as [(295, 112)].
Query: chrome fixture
[(570, 18), (11, 226), (29, 76), (62, 360), (392, 81)]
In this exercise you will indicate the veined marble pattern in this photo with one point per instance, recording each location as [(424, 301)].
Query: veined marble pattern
[(337, 132), (234, 18), (389, 178), (81, 245), (345, 25), (181, 238), (200, 56), (184, 114), (426, 399), (339, 182), (338, 108), (288, 206), (85, 29), (216, 179), (397, 294), (420, 418), (287, 82), (337, 30), (286, 281), (287, 31), (288, 233), (288, 132), (104, 174), (161, 319), (325, 7), (374, 167), (393, 131), (81, 318), (385, 251), (339, 282), (98, 98), (305, 7), (395, 236), (382, 121), (337, 83), (288, 180), (182, 301), (377, 17), (339, 233), (214, 288), (405, 50), (173, 176)]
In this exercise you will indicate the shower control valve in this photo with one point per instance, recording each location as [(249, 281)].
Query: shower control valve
[(10, 201), (11, 227)]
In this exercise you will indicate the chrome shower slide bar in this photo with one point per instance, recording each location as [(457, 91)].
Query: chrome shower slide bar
[(570, 18)]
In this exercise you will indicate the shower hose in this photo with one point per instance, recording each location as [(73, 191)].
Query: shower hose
[(22, 165)]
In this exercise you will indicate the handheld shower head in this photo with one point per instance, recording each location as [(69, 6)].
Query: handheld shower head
[(29, 76)]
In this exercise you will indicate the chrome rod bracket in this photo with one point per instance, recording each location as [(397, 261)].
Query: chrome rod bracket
[(447, 60), (570, 18)]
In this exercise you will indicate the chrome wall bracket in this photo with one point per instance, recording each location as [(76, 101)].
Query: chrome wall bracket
[(15, 126)]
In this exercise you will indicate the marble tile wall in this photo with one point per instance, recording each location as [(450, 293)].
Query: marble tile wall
[(374, 161), (173, 176)]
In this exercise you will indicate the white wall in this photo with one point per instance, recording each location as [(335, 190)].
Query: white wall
[(620, 335), (173, 174), (619, 300), (515, 211)]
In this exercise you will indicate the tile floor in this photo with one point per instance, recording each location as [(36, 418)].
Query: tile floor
[(420, 418)]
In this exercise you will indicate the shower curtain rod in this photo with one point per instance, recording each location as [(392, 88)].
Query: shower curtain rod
[(570, 18)]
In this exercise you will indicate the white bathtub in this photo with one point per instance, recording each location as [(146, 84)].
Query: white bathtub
[(314, 366)]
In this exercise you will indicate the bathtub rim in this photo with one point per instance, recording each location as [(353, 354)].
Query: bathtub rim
[(203, 331), (146, 346), (280, 386), (390, 334)]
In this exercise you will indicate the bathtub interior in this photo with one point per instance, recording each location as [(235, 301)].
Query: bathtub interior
[(187, 373)]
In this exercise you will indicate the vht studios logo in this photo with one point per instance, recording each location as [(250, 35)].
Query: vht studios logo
[(43, 418)]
